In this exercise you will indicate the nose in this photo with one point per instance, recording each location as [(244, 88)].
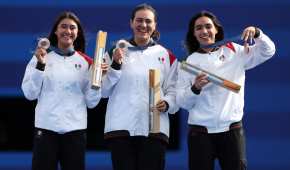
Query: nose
[(143, 23), (203, 30), (67, 30)]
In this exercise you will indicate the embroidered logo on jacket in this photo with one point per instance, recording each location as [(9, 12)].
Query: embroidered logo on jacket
[(78, 66), (222, 58), (161, 60)]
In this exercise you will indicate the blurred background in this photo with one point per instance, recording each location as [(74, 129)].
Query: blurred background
[(267, 94)]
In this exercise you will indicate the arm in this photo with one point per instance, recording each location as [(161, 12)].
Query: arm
[(92, 95), (262, 50), (187, 92), (169, 87), (113, 75), (33, 79)]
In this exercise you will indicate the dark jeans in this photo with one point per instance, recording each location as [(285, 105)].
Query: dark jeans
[(51, 148), (228, 147), (137, 153)]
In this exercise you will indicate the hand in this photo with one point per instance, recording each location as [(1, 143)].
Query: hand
[(40, 55), (248, 34), (200, 81), (118, 55), (161, 106), (105, 67)]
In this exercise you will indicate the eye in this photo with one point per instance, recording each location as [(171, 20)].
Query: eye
[(67, 26), (198, 27), (148, 21), (72, 27), (139, 20), (208, 26), (64, 26)]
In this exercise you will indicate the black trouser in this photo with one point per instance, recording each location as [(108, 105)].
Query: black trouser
[(51, 148), (137, 153), (228, 147)]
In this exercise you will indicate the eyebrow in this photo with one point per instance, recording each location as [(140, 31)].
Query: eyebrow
[(200, 25), (68, 24)]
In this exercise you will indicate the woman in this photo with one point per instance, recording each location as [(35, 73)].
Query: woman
[(215, 113), (59, 80), (126, 84)]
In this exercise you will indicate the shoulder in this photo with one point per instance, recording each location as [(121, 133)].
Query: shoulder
[(171, 56), (195, 57), (232, 47), (88, 59)]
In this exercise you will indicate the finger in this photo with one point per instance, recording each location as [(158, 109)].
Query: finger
[(246, 47), (198, 77), (117, 57), (116, 51), (161, 109), (197, 85), (201, 81), (252, 33), (39, 53), (120, 53), (201, 77), (246, 36), (159, 103), (120, 61), (204, 82), (104, 66)]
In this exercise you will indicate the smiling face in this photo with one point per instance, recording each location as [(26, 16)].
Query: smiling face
[(205, 30), (143, 25), (66, 32)]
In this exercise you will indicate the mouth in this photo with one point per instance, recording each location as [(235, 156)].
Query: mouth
[(206, 39), (67, 37), (142, 30)]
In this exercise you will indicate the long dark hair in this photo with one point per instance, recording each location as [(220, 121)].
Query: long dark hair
[(155, 35), (191, 42), (79, 43)]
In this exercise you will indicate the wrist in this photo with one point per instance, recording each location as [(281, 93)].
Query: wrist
[(116, 65), (167, 106), (40, 66), (257, 32), (195, 90)]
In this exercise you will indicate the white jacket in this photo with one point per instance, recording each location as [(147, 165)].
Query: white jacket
[(215, 107), (62, 90), (128, 90)]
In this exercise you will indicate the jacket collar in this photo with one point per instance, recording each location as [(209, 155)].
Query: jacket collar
[(200, 50), (150, 43), (67, 53)]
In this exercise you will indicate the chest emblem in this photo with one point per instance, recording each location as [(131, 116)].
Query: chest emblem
[(161, 60), (78, 66), (222, 58)]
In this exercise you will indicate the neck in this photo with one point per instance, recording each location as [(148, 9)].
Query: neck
[(207, 50), (141, 42), (65, 48), (67, 51)]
